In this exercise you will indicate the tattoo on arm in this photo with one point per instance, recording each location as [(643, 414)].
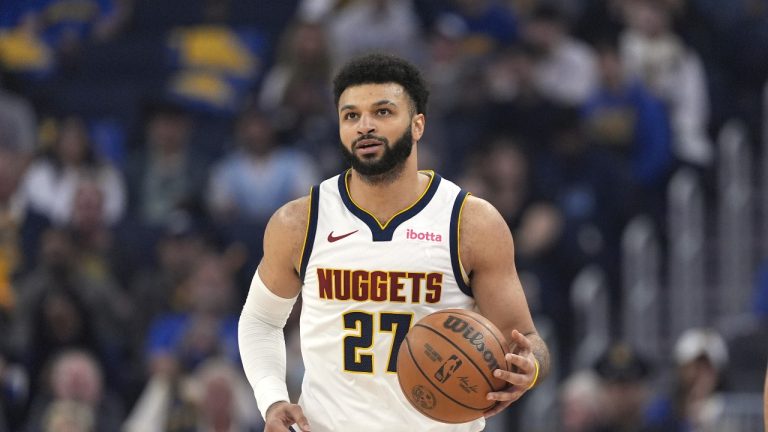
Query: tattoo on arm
[(540, 351)]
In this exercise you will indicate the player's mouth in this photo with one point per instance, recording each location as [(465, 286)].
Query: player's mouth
[(368, 146)]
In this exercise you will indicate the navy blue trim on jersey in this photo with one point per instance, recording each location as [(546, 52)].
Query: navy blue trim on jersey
[(377, 232), (309, 241), (454, 243)]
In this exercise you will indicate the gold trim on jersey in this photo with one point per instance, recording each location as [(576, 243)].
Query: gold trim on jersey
[(464, 274), (429, 173)]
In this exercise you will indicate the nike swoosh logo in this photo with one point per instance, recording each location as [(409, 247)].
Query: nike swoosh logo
[(332, 238)]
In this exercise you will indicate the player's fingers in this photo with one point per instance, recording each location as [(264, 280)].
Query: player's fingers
[(499, 407), (523, 363), (506, 396), (520, 343), (297, 415), (513, 378)]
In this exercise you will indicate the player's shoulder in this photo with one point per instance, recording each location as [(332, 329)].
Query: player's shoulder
[(291, 217), (480, 214), (484, 236), (482, 230)]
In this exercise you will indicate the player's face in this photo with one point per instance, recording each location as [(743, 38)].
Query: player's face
[(377, 128)]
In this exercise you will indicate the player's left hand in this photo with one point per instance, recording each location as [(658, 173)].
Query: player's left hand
[(520, 378)]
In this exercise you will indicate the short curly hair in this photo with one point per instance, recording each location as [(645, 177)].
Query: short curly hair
[(380, 69)]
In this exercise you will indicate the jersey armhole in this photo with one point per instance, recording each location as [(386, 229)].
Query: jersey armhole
[(309, 236), (461, 276)]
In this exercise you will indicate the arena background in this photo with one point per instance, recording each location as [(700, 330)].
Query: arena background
[(144, 144)]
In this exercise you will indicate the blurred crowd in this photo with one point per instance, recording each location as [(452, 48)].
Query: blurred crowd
[(144, 144)]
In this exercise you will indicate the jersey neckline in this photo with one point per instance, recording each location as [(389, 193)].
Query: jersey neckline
[(384, 232)]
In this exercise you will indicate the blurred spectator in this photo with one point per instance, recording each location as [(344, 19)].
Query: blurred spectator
[(164, 172), (566, 68), (19, 229), (447, 61), (378, 18), (657, 56), (297, 89), (624, 378), (98, 256), (693, 403), (622, 115), (204, 326), (580, 402), (259, 176), (75, 376), (18, 124), (501, 173), (520, 107), (488, 25), (303, 53), (60, 306), (213, 398), (223, 399), (591, 190), (51, 182), (155, 288)]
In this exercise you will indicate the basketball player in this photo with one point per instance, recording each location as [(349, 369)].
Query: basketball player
[(372, 251)]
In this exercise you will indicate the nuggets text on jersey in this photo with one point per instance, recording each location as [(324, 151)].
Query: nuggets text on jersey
[(379, 285)]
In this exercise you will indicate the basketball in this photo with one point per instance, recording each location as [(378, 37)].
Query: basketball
[(445, 365)]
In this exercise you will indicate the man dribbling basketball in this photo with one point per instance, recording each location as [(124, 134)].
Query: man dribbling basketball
[(372, 251)]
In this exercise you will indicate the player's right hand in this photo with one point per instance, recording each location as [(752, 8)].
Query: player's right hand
[(282, 415)]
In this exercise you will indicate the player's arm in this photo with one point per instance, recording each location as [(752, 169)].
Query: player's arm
[(273, 292), (487, 253)]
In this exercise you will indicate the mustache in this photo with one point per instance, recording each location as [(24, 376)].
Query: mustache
[(369, 137)]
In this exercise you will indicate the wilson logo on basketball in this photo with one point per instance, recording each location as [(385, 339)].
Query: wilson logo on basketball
[(474, 337), (428, 236)]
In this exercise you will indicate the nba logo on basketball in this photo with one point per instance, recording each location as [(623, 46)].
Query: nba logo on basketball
[(447, 369)]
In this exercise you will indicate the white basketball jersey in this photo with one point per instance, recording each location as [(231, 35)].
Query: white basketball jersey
[(365, 285)]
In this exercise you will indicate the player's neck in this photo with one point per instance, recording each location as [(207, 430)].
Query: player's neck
[(385, 199)]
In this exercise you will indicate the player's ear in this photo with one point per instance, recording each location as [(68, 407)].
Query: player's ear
[(417, 126)]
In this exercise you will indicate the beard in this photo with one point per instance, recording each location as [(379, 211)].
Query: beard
[(387, 166)]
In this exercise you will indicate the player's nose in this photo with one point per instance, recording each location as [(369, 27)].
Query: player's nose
[(366, 125)]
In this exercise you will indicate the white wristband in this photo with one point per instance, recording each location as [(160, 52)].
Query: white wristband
[(262, 343)]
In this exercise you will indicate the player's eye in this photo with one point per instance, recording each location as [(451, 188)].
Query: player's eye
[(383, 111), (350, 116)]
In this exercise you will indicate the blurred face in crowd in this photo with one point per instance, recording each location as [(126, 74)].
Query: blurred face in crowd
[(62, 318), (543, 34), (88, 207), (73, 141), (218, 399), (611, 69), (76, 376), (10, 171), (377, 127), (57, 249), (255, 134), (308, 43), (210, 285), (168, 132), (647, 17)]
